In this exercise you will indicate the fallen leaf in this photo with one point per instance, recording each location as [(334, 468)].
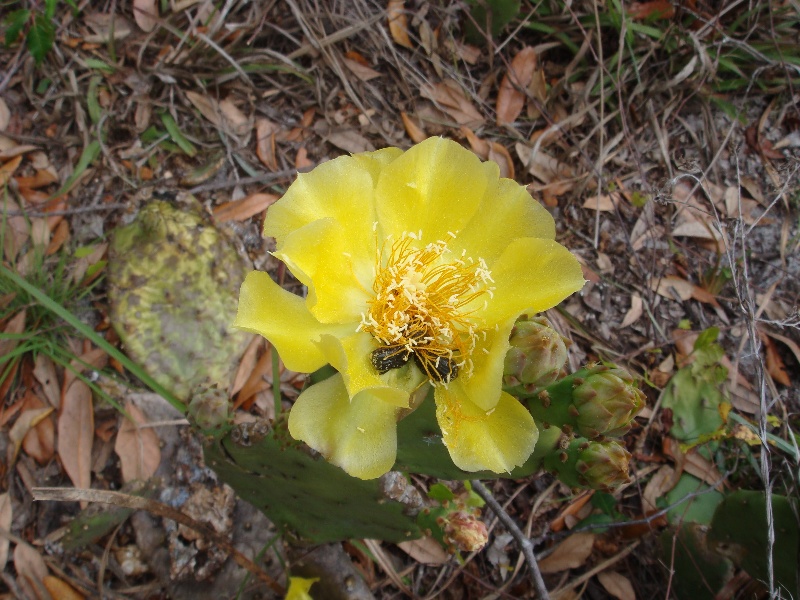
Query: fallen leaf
[(76, 433), (361, 71), (301, 161), (413, 130), (398, 23), (7, 170), (31, 571), (671, 287), (265, 143), (241, 210), (603, 202), (26, 421), (234, 119), (775, 366), (61, 589), (572, 508), (60, 235), (38, 443), (137, 446), (634, 312), (499, 154), (570, 554), (426, 551), (14, 327), (658, 9), (617, 585), (5, 523), (246, 365), (346, 138), (5, 115), (511, 95), (789, 343), (479, 146), (660, 483), (449, 97), (145, 13)]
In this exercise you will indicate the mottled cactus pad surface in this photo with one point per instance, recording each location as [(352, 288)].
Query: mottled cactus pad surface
[(173, 284)]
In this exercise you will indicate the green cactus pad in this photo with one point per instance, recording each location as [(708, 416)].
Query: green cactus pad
[(173, 286), (304, 494)]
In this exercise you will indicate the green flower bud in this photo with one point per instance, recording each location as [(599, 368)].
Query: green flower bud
[(603, 465), (606, 403), (210, 410), (536, 356)]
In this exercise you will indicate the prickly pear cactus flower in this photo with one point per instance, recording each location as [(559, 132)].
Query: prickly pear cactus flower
[(417, 264)]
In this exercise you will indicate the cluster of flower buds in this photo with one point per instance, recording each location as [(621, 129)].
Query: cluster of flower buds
[(606, 403), (596, 465)]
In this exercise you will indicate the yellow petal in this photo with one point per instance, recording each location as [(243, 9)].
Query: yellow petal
[(497, 440), (299, 587), (506, 212), (531, 275), (436, 187), (374, 162), (351, 356), (358, 435), (340, 189), (483, 385), (281, 317), (338, 272)]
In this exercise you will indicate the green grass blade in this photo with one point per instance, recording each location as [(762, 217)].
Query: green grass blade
[(93, 336)]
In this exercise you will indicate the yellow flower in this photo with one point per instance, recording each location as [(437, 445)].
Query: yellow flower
[(417, 265), (299, 587)]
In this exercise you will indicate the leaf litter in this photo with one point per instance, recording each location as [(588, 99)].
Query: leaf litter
[(658, 188)]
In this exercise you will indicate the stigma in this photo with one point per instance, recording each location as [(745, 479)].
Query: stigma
[(423, 306)]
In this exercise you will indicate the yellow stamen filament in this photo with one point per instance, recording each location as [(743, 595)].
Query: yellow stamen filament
[(421, 299)]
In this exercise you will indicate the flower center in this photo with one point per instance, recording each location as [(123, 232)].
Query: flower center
[(420, 306)]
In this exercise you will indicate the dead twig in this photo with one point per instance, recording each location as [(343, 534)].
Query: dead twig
[(524, 542), (161, 510)]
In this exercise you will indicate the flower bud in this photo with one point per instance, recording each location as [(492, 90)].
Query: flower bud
[(606, 403), (536, 356), (603, 465), (465, 531)]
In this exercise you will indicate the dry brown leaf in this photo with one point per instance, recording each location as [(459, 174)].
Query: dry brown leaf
[(775, 366), (234, 119), (208, 107), (789, 343), (39, 442), (96, 358), (5, 115), (572, 508), (241, 210), (14, 326), (634, 312), (413, 130), (570, 554), (346, 138), (398, 23), (672, 286), (301, 161), (265, 142), (544, 167), (145, 13), (7, 170), (5, 523), (362, 72), (26, 421), (31, 571), (660, 483), (246, 365), (510, 96), (702, 468), (17, 231), (617, 585), (426, 551), (656, 9), (61, 589), (603, 202), (137, 447), (76, 433), (499, 154), (479, 146), (450, 98), (60, 235)]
